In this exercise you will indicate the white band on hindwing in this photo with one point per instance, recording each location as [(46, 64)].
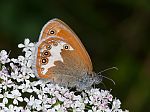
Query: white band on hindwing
[(55, 52)]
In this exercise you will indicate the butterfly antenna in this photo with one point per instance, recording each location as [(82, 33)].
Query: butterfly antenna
[(107, 70), (109, 79), (104, 85)]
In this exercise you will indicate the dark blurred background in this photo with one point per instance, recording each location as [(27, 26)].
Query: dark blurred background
[(114, 32)]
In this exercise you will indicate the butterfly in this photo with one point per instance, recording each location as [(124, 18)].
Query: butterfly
[(62, 59)]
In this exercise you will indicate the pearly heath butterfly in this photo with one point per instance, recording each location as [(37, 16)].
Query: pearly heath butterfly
[(62, 59)]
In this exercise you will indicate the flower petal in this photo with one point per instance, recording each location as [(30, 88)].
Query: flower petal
[(5, 100), (20, 99), (26, 41), (1, 96), (21, 46), (15, 102), (31, 45)]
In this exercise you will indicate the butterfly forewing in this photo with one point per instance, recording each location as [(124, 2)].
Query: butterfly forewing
[(56, 27)]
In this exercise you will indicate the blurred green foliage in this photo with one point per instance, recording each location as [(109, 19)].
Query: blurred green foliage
[(114, 32)]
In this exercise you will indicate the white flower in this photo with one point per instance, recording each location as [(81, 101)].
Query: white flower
[(5, 96), (34, 103), (79, 105), (67, 103), (45, 102), (26, 44), (29, 49), (4, 73), (12, 108), (16, 96), (26, 87), (52, 101), (21, 60), (116, 104), (4, 57), (6, 83)]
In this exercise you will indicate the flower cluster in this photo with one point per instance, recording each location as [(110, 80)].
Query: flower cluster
[(21, 91)]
